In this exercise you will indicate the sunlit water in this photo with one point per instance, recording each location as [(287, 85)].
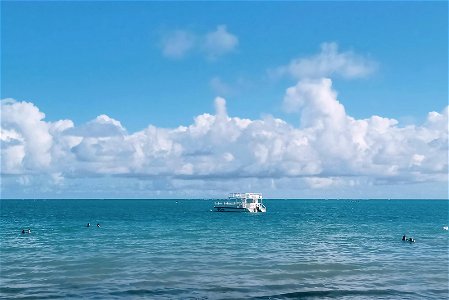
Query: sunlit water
[(171, 249)]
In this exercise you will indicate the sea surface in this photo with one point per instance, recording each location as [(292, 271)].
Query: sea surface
[(179, 249)]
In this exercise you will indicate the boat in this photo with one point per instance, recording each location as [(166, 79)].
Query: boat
[(241, 202)]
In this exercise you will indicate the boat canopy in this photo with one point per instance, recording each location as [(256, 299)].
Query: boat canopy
[(254, 197)]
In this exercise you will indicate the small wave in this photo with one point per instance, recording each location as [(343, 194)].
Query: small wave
[(336, 294), (146, 292), (24, 293)]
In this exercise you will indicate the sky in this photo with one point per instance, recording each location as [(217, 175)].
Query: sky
[(199, 99)]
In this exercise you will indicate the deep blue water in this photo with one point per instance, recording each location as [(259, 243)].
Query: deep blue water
[(163, 249)]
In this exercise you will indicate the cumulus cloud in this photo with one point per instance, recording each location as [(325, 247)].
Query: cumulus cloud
[(101, 126), (329, 149), (317, 102), (329, 62), (377, 146), (25, 139), (179, 43)]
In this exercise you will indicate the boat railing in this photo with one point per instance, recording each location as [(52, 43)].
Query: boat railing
[(243, 196), (237, 195), (228, 203)]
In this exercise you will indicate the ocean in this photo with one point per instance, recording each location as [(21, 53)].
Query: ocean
[(179, 249)]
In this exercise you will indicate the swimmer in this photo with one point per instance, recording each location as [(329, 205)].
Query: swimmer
[(445, 227), (411, 240), (23, 231), (88, 225), (98, 224), (29, 230), (404, 237)]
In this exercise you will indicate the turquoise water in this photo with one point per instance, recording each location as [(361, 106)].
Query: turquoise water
[(163, 249)]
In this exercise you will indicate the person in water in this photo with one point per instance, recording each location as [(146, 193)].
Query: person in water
[(23, 231), (404, 237), (98, 224), (88, 225)]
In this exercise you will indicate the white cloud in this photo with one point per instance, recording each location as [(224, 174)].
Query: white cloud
[(329, 150), (317, 103), (320, 182), (24, 130), (327, 63), (179, 43), (376, 146), (101, 126), (219, 42)]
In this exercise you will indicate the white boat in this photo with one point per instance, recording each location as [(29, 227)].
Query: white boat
[(241, 202)]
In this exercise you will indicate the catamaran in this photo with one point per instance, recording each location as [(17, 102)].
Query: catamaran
[(241, 202)]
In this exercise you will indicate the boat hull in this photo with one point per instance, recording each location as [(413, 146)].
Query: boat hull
[(229, 209), (239, 209)]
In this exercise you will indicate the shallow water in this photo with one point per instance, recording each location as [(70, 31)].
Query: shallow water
[(167, 249)]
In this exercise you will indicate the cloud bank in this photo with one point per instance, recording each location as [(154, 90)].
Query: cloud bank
[(328, 149), (218, 153), (179, 43)]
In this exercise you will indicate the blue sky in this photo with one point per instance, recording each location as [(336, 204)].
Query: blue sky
[(79, 60)]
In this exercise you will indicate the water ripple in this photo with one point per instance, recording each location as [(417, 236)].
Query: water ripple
[(164, 250)]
